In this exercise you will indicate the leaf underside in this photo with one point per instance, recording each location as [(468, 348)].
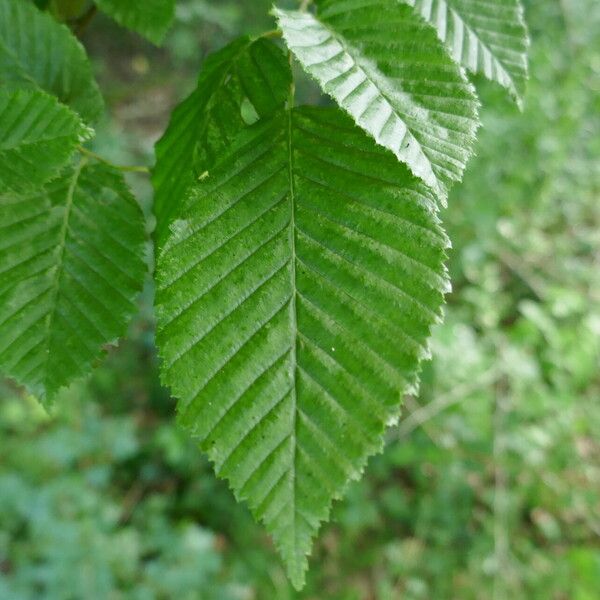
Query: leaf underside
[(386, 67), (152, 18), (36, 51), (295, 299), (71, 266), (204, 124), (485, 37), (38, 136)]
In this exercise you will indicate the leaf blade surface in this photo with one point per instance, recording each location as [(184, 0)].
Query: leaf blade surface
[(36, 51), (386, 68), (71, 267), (294, 303), (203, 125), (485, 37), (38, 136)]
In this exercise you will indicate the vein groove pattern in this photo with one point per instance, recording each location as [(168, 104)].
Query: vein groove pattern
[(37, 138), (487, 37), (36, 51), (67, 288), (288, 361), (206, 122), (387, 69)]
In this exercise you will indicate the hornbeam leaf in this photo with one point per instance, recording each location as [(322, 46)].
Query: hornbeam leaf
[(38, 136), (71, 266), (152, 18), (36, 51), (295, 299), (205, 123), (385, 66), (485, 37)]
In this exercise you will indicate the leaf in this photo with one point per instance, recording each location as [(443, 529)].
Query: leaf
[(38, 52), (206, 122), (485, 37), (152, 18), (71, 266), (295, 299), (387, 69), (38, 136)]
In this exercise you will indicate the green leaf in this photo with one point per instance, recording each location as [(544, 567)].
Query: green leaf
[(485, 37), (38, 136), (295, 299), (37, 51), (387, 69), (71, 266), (205, 123), (152, 18)]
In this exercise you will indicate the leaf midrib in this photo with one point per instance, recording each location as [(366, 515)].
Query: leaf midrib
[(294, 316), (61, 245)]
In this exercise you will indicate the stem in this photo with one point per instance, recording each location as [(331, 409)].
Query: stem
[(292, 94), (505, 582), (501, 540), (274, 33), (304, 4), (124, 168), (520, 268), (85, 20), (420, 415)]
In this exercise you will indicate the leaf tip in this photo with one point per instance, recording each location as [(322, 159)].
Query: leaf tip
[(296, 570)]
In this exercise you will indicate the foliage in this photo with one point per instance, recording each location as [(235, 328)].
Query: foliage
[(488, 488), (354, 236), (34, 149), (490, 39), (37, 52), (71, 270), (313, 287), (152, 18), (247, 74), (409, 96)]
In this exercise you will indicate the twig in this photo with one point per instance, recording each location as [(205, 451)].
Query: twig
[(85, 20), (536, 284), (501, 539), (422, 415), (124, 168), (304, 5), (571, 37), (274, 33), (133, 497), (431, 432)]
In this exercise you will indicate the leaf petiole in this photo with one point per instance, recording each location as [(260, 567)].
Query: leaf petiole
[(123, 168)]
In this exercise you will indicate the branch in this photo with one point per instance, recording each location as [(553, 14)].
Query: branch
[(422, 415), (82, 23)]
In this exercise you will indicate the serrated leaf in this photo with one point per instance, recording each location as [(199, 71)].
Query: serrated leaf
[(38, 136), (295, 298), (71, 266), (37, 51), (152, 18), (204, 124), (387, 69), (485, 37)]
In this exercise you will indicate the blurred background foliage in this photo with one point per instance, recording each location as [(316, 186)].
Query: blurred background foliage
[(490, 485)]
